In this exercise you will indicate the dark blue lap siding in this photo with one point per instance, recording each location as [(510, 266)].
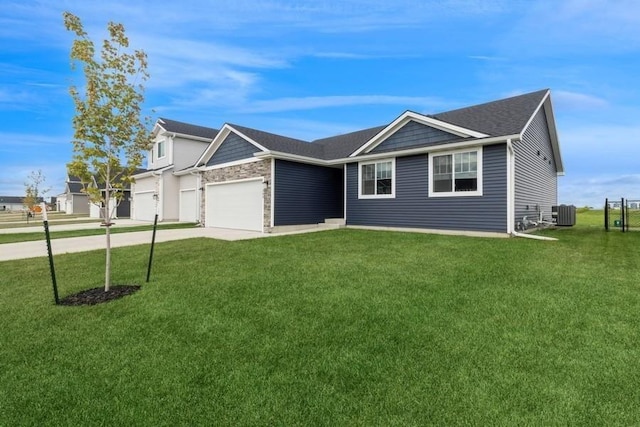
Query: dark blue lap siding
[(307, 194), (413, 208)]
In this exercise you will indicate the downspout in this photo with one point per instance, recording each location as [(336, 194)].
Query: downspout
[(158, 200), (532, 236), (197, 174)]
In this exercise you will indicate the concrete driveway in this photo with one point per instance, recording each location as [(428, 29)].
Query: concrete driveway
[(13, 251), (38, 248)]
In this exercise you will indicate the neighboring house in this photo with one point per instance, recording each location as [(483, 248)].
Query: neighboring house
[(164, 188), (75, 201), (119, 208), (14, 203), (481, 169), (61, 202)]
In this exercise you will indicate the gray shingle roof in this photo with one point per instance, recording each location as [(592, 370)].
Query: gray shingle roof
[(75, 187), (340, 146), (497, 118), (187, 129), (281, 143)]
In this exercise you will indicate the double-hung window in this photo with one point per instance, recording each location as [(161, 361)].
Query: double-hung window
[(457, 173), (161, 149), (377, 179)]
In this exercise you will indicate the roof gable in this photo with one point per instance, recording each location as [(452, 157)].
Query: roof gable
[(232, 148), (455, 131), (412, 135), (220, 138)]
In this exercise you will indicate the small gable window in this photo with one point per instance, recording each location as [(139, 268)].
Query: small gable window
[(377, 179), (457, 173), (161, 148)]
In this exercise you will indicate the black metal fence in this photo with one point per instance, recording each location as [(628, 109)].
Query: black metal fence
[(623, 214)]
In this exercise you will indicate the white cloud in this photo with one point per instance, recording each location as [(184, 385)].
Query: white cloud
[(575, 26), (574, 100), (315, 102)]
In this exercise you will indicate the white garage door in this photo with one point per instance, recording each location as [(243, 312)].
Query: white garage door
[(235, 205), (188, 208), (144, 206)]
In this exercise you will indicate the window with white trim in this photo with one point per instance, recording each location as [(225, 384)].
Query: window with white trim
[(456, 173), (377, 179), (161, 145)]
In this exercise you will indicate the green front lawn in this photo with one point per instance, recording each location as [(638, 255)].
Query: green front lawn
[(344, 327)]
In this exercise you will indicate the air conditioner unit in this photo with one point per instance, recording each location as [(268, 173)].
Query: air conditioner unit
[(564, 215)]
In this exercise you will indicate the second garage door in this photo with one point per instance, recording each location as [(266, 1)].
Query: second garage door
[(144, 206), (236, 205)]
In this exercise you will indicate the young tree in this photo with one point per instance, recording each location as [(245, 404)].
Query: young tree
[(33, 189), (110, 136)]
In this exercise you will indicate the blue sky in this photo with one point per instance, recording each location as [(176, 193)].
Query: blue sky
[(316, 68)]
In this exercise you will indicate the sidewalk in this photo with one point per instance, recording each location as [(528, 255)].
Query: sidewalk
[(22, 250), (56, 226)]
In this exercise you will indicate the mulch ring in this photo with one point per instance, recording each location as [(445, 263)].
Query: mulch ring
[(98, 295)]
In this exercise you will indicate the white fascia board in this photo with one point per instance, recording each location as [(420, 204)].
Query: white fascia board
[(157, 128), (544, 99), (295, 158), (219, 139), (553, 134), (187, 171), (545, 103), (245, 137), (228, 164), (213, 145), (187, 136), (432, 149), (152, 173), (408, 116)]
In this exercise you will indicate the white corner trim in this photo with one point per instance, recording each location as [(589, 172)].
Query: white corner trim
[(272, 188)]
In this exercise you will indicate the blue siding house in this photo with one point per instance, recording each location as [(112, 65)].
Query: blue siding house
[(488, 168)]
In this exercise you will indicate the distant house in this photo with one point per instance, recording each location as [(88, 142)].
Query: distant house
[(483, 168), (75, 200), (168, 187), (14, 203), (120, 208)]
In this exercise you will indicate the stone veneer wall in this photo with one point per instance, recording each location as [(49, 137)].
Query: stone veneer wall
[(261, 168)]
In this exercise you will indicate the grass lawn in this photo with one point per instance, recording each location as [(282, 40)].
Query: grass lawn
[(29, 237), (344, 327)]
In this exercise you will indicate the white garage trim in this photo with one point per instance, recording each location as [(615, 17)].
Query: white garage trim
[(235, 204)]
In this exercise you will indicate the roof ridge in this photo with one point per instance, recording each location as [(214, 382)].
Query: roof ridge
[(487, 103)]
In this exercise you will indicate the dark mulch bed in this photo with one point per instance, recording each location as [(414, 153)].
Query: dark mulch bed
[(98, 295)]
